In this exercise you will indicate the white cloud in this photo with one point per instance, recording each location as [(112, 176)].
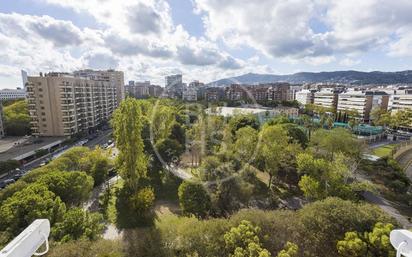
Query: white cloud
[(285, 29), (349, 62)]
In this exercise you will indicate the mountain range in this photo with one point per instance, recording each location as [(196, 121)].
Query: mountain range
[(342, 77)]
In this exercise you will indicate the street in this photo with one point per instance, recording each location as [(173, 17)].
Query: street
[(101, 139)]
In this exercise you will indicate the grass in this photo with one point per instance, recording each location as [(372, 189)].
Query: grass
[(384, 150)]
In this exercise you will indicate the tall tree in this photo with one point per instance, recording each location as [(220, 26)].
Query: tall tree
[(274, 141), (127, 132)]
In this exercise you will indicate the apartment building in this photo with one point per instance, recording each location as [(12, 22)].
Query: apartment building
[(190, 94), (236, 92), (1, 121), (326, 97), (138, 89), (174, 86), (116, 78), (305, 97), (61, 104), (213, 94), (279, 92), (10, 94), (259, 93), (401, 99), (363, 102)]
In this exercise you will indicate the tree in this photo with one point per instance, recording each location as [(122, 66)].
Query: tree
[(127, 130), (291, 250), (324, 178), (170, 150), (22, 208), (240, 121), (9, 165), (310, 187), (194, 199), (330, 142), (77, 224), (274, 141), (245, 146), (178, 133), (326, 222), (72, 187), (17, 119), (243, 241), (70, 160), (296, 134), (97, 164), (368, 244)]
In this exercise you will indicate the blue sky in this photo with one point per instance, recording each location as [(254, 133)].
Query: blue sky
[(202, 39)]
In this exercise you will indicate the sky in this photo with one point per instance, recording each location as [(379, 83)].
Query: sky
[(204, 40)]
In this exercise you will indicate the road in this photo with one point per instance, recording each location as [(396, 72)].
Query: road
[(405, 160), (179, 172), (387, 207), (100, 140)]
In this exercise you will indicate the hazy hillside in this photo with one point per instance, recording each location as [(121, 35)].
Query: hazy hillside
[(350, 77)]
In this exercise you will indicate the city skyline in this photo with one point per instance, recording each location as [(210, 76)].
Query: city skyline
[(202, 39)]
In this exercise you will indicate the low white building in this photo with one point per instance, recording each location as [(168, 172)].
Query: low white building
[(10, 94), (304, 97), (260, 112), (400, 100)]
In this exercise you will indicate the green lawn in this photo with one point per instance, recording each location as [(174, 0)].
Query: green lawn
[(384, 150)]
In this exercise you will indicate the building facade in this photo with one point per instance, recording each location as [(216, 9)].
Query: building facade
[(400, 100), (279, 92), (10, 94), (190, 94), (304, 97), (138, 89), (174, 86), (326, 97), (356, 101), (116, 78), (61, 104)]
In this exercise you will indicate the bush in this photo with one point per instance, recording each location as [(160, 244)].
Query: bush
[(87, 248), (194, 199)]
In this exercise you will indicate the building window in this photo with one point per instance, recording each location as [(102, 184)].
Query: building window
[(43, 113)]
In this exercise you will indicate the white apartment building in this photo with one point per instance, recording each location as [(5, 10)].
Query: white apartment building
[(61, 104), (9, 94), (355, 101), (326, 97), (304, 97), (401, 99), (116, 78)]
